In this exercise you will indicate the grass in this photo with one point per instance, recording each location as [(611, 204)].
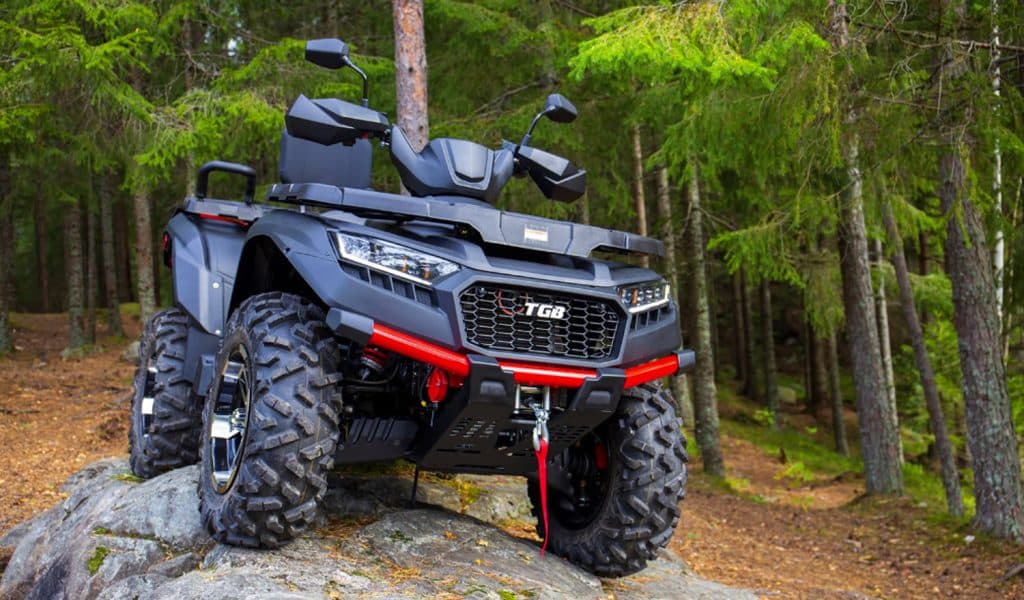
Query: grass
[(814, 457), (96, 561)]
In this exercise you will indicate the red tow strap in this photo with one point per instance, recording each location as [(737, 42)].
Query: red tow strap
[(542, 477)]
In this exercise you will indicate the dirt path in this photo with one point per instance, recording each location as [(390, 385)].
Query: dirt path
[(824, 540), (56, 415), (786, 539)]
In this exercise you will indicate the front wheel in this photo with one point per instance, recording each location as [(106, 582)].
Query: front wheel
[(270, 424), (625, 482)]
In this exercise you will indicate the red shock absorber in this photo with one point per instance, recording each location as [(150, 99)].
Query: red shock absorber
[(373, 361)]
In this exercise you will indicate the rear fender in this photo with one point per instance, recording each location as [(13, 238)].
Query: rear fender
[(204, 259)]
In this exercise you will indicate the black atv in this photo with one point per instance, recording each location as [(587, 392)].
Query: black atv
[(336, 324)]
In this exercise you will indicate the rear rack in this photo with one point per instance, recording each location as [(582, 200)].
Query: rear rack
[(494, 226)]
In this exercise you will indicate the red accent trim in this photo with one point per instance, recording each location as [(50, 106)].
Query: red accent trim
[(223, 219), (528, 374), (656, 369), (457, 364), (417, 349)]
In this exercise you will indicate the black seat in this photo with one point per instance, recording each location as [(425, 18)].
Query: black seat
[(339, 165)]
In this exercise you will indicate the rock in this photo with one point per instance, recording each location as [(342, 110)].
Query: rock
[(500, 498), (474, 556), (667, 578), (131, 353), (115, 537)]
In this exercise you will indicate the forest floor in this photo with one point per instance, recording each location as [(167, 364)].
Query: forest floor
[(790, 521)]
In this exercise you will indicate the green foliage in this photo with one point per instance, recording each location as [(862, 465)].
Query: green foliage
[(96, 560)]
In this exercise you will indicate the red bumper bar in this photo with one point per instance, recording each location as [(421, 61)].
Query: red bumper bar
[(524, 373)]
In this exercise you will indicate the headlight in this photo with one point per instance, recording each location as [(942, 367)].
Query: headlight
[(394, 259), (644, 296)]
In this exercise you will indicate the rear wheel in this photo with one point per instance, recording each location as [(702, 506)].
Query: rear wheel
[(270, 423), (164, 427), (626, 480)]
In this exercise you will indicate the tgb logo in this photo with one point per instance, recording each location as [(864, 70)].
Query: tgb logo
[(545, 311)]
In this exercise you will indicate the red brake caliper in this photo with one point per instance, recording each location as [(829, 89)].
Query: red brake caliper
[(540, 448)]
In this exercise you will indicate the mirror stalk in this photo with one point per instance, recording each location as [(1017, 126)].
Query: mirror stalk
[(366, 98)]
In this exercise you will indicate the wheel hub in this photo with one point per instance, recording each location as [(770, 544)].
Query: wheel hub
[(229, 419), (148, 397)]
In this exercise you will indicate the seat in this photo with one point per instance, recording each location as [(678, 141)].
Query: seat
[(303, 161)]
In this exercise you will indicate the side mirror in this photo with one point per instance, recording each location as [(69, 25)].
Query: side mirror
[(559, 109), (327, 53)]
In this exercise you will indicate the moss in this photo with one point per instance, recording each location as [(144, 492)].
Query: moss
[(97, 559), (127, 477), (398, 536), (507, 595), (101, 531)]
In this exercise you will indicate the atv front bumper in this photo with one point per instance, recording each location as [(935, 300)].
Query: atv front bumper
[(474, 429)]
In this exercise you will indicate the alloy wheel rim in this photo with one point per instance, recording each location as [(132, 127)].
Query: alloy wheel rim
[(148, 397), (229, 419)]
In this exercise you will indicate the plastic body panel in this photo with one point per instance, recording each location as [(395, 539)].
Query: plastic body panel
[(307, 242)]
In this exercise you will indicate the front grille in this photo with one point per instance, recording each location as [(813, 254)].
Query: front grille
[(496, 318)]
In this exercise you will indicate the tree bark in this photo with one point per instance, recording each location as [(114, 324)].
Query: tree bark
[(819, 369), (113, 300), (144, 256), (878, 430), (42, 258), (76, 283), (771, 387), (91, 270), (991, 439), (6, 254), (680, 387), (884, 343), (411, 71), (751, 389), (640, 202), (739, 339), (838, 423), (705, 402), (950, 476)]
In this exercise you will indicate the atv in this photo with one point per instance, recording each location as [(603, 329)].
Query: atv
[(335, 324)]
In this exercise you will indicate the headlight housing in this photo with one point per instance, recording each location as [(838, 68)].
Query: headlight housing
[(394, 259), (645, 296)]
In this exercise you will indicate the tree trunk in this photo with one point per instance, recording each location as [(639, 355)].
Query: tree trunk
[(638, 190), (42, 258), (739, 339), (991, 439), (882, 312), (76, 283), (997, 166), (144, 256), (950, 476), (750, 386), (838, 424), (6, 254), (705, 402), (114, 326), (411, 71), (91, 284), (124, 252), (771, 387), (878, 430), (819, 369), (680, 387)]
